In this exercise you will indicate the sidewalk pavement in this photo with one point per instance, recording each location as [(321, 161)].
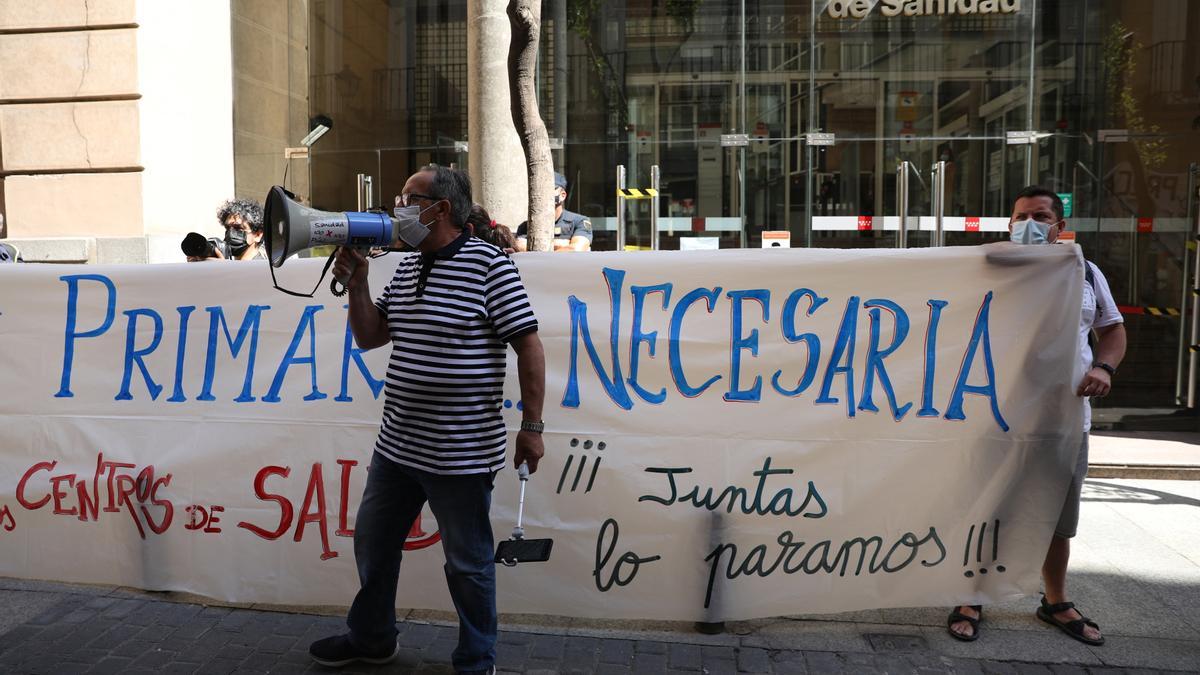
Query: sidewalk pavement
[(1135, 569), (1170, 455)]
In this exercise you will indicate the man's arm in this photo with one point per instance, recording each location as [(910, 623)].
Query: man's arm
[(1109, 349), (577, 243), (531, 370), (367, 323)]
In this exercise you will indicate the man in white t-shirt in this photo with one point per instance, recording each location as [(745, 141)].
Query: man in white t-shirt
[(1037, 218)]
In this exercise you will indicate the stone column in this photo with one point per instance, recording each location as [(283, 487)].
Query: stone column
[(496, 161)]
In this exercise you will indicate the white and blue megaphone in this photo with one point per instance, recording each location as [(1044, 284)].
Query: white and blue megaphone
[(293, 227)]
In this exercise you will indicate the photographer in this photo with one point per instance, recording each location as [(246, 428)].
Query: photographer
[(243, 223)]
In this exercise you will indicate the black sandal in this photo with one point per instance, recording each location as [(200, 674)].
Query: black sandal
[(956, 616), (1073, 628)]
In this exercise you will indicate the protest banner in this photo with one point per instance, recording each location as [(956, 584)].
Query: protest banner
[(729, 434)]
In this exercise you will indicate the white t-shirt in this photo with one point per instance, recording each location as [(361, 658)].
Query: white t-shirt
[(1107, 315)]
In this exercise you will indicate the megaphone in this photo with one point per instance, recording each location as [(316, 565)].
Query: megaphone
[(293, 227)]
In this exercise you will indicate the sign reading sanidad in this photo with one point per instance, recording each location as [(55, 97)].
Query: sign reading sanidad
[(860, 9)]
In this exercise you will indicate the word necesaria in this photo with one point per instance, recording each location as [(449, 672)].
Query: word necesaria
[(839, 371)]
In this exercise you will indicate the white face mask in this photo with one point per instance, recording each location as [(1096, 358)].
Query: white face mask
[(411, 230), (1031, 232)]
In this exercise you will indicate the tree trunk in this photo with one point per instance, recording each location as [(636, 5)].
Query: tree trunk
[(525, 17)]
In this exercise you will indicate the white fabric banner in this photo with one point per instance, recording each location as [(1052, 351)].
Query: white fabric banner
[(729, 434)]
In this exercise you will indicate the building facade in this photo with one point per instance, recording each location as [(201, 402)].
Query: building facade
[(792, 117)]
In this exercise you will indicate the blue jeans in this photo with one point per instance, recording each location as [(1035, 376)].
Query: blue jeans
[(391, 502)]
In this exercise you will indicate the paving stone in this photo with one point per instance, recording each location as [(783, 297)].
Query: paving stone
[(214, 612), (720, 666), (826, 663), (418, 635), (964, 666), (180, 668), (580, 654), (155, 633), (512, 656), (649, 664), (650, 647), (112, 664), (613, 669), (100, 602), (1032, 669), (683, 657), (154, 659), (132, 648), (220, 667), (176, 614), (259, 661), (618, 652), (547, 647), (718, 652), (788, 663), (293, 625), (80, 615), (514, 638), (753, 660), (53, 614), (276, 644)]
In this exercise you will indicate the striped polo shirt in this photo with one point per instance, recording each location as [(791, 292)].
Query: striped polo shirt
[(450, 314)]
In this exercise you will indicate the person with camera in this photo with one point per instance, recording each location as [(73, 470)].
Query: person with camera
[(450, 312), (243, 223), (242, 220)]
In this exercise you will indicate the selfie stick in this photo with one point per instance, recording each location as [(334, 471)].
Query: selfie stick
[(523, 474)]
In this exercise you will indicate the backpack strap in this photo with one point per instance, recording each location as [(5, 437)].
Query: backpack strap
[(1090, 277)]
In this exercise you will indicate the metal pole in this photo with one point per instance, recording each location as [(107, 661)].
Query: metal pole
[(620, 208), (654, 208), (1192, 193), (745, 130), (811, 125), (939, 206), (902, 204), (1191, 396), (361, 180), (369, 189)]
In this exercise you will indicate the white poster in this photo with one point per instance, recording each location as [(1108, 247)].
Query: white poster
[(729, 434)]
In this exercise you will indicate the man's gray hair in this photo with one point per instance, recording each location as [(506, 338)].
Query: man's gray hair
[(248, 209), (454, 186)]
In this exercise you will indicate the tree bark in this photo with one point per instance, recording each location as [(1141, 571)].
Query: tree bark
[(525, 17)]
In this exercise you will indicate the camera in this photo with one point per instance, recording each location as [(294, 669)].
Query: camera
[(194, 245)]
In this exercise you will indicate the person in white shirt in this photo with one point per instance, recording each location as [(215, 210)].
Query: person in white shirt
[(1037, 218)]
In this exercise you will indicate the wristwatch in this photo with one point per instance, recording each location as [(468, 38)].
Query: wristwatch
[(535, 427), (1105, 367)]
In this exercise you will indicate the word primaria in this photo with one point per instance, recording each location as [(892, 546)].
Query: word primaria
[(245, 341), (839, 371), (870, 554)]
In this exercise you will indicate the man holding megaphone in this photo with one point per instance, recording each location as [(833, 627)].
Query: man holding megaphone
[(448, 312)]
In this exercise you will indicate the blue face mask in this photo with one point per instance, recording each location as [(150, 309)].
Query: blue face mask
[(1031, 232)]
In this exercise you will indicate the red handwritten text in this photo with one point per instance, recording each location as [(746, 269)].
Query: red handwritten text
[(125, 488)]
